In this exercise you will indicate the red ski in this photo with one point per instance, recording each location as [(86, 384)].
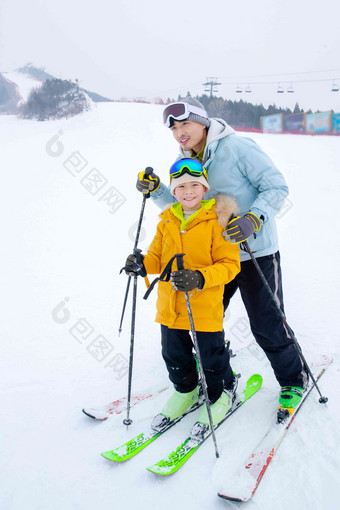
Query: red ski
[(120, 405), (243, 486)]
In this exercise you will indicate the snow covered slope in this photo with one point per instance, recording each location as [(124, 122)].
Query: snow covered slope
[(69, 208), (24, 83)]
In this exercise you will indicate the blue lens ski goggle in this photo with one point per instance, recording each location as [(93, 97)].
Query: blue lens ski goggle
[(189, 166)]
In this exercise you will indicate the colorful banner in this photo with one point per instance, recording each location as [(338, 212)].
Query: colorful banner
[(272, 123), (294, 123), (336, 123), (318, 122)]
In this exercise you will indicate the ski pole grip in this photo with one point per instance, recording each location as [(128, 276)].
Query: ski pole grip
[(148, 170), (138, 253), (179, 257)]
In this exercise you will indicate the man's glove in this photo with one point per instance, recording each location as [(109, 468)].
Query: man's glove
[(186, 280), (240, 228), (133, 267), (147, 183)]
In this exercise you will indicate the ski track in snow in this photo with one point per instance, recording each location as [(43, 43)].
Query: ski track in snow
[(62, 245)]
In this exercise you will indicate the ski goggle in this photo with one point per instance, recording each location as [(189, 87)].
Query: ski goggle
[(189, 166), (181, 111)]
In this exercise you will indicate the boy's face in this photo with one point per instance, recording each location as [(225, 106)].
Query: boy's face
[(190, 135), (190, 195)]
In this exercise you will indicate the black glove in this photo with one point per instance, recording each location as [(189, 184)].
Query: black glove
[(147, 183), (134, 267), (240, 228), (186, 280)]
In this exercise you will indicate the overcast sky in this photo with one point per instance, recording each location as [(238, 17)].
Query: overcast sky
[(152, 48)]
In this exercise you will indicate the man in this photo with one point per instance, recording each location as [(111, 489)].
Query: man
[(238, 167)]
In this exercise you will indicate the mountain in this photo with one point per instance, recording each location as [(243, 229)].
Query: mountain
[(16, 86)]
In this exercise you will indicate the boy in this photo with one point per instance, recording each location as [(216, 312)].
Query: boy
[(194, 227)]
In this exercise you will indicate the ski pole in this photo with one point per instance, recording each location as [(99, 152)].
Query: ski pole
[(180, 266), (128, 421), (148, 171), (322, 399)]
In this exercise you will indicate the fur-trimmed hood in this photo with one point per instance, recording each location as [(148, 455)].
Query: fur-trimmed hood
[(226, 208)]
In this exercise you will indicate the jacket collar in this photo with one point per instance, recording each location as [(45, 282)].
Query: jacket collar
[(177, 212)]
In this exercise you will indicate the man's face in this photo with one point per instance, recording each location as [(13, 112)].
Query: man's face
[(190, 135)]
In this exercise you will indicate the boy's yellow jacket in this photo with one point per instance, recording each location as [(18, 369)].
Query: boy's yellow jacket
[(206, 250)]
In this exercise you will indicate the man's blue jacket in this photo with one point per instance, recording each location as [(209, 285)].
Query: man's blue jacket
[(238, 167)]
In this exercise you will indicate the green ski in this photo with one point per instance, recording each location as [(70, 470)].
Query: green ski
[(138, 443), (177, 458)]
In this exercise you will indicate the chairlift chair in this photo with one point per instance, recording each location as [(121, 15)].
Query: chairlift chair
[(280, 89), (248, 89), (238, 89), (290, 89), (335, 87)]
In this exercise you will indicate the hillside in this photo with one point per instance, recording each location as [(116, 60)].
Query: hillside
[(16, 86)]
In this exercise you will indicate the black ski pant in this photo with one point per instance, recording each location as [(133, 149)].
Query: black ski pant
[(265, 323), (177, 352)]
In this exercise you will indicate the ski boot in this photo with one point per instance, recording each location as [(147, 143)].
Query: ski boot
[(218, 409), (290, 398), (232, 388), (177, 405)]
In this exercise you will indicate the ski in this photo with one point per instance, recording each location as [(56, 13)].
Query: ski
[(138, 443), (177, 458), (244, 485), (120, 405)]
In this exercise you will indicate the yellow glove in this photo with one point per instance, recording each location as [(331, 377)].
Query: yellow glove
[(147, 183)]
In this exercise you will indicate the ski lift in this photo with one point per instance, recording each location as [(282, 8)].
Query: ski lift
[(335, 87), (247, 89), (238, 90), (280, 89), (290, 89)]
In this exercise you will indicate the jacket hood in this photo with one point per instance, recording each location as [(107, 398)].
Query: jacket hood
[(226, 208), (218, 129)]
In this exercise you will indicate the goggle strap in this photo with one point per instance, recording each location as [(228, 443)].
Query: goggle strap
[(186, 170), (197, 110)]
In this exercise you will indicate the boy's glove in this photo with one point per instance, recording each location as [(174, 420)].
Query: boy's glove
[(147, 183), (132, 267), (240, 228), (186, 280)]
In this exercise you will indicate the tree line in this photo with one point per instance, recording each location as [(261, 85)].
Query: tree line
[(240, 113)]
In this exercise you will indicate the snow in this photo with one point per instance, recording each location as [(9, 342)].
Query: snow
[(24, 83), (63, 243)]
